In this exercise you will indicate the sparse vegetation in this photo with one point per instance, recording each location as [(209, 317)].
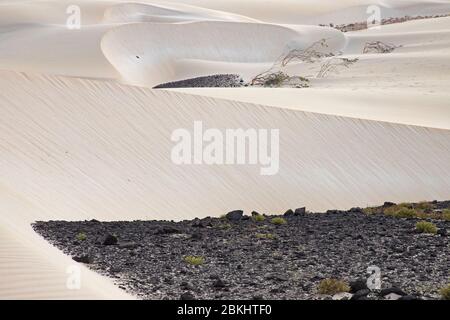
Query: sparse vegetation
[(267, 236), (81, 236), (332, 286), (426, 227), (225, 226), (258, 218), (318, 52), (445, 292), (278, 221), (446, 214), (379, 47), (194, 260)]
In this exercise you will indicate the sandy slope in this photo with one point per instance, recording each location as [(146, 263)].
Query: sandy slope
[(88, 149), (408, 86)]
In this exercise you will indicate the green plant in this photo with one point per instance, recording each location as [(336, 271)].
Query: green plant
[(225, 226), (267, 236), (426, 227), (81, 236), (446, 214), (445, 292), (332, 286), (258, 218), (402, 210), (194, 260), (424, 205), (278, 221)]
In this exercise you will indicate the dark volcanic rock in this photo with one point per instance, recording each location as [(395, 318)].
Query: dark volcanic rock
[(357, 285), (235, 215), (300, 211), (218, 80), (83, 259), (187, 296), (385, 292), (109, 240), (239, 259), (289, 213)]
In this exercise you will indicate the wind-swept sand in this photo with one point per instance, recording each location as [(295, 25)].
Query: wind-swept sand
[(88, 149), (73, 148)]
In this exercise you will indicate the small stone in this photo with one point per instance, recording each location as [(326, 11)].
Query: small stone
[(83, 259), (289, 213), (300, 211), (219, 284), (109, 240), (360, 294), (187, 296), (388, 204), (358, 285), (128, 245)]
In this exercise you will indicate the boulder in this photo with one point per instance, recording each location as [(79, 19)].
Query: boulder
[(109, 240), (235, 215)]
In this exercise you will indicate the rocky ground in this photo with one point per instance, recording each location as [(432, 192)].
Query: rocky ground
[(218, 80), (243, 257)]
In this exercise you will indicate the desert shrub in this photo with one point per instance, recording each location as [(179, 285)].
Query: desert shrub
[(225, 226), (426, 227), (446, 214), (370, 210), (278, 221), (400, 211), (81, 236), (194, 260), (445, 292), (332, 286), (424, 205), (379, 47), (267, 236), (258, 218)]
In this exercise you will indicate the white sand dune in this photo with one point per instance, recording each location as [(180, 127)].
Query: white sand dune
[(75, 148), (141, 62), (88, 149)]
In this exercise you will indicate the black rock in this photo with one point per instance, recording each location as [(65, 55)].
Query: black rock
[(300, 211), (358, 285), (235, 215), (83, 259), (128, 245), (289, 213), (219, 284), (385, 292), (388, 204), (442, 232), (187, 296), (356, 210), (167, 230), (254, 213), (197, 236), (257, 297), (109, 240), (360, 294)]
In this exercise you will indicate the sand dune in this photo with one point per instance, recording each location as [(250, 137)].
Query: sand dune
[(76, 148), (141, 62), (90, 149)]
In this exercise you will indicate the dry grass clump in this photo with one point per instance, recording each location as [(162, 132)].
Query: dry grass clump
[(332, 286)]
